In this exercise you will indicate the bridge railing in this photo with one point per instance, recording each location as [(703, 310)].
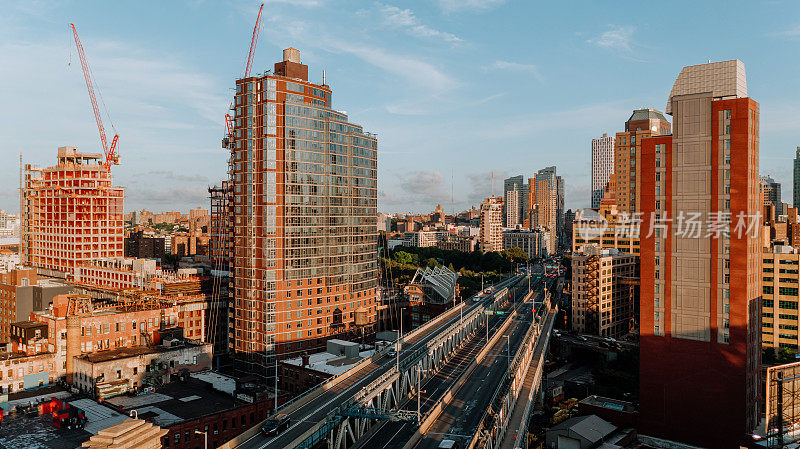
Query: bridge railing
[(333, 418), (501, 404)]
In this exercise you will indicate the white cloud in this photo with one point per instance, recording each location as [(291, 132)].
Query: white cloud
[(405, 19), (792, 32), (153, 98), (617, 38), (519, 67), (468, 5)]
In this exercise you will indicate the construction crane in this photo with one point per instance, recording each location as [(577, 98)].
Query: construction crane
[(253, 41), (111, 156), (248, 66)]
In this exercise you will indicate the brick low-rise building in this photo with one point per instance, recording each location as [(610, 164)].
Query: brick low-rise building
[(121, 370), (22, 291), (603, 296)]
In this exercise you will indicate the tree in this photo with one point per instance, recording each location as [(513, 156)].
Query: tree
[(403, 258), (516, 254)]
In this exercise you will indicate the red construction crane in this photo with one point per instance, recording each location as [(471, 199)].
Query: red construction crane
[(253, 42), (250, 54), (110, 152)]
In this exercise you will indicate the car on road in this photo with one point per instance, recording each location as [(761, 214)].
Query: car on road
[(392, 353), (276, 424)]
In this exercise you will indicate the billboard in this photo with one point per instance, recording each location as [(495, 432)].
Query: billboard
[(783, 405)]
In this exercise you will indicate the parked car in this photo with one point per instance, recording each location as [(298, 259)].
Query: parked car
[(448, 444), (276, 424)]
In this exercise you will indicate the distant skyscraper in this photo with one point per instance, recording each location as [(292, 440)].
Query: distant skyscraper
[(796, 191), (71, 213), (491, 232), (304, 219), (771, 194), (546, 205), (602, 166), (513, 195), (700, 308), (627, 178)]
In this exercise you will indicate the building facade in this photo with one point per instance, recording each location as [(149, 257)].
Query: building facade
[(304, 218), (770, 192), (514, 201), (71, 213), (607, 228), (603, 296), (139, 245), (700, 317), (780, 279), (491, 236), (796, 179), (23, 292), (627, 179), (529, 240), (546, 205), (602, 166)]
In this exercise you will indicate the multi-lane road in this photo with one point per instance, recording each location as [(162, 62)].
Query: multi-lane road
[(461, 417), (315, 410)]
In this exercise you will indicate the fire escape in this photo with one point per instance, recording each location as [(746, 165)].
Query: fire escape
[(592, 282)]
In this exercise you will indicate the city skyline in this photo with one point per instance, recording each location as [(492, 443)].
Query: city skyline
[(168, 89)]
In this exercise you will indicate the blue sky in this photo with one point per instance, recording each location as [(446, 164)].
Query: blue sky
[(455, 89)]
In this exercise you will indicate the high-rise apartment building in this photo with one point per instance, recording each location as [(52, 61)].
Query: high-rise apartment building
[(304, 183), (71, 213), (770, 192), (700, 312), (603, 291), (602, 166), (780, 298), (514, 201), (627, 178), (606, 228), (796, 180), (491, 227), (546, 205)]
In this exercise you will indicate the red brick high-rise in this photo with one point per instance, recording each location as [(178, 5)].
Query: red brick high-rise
[(700, 295), (304, 211)]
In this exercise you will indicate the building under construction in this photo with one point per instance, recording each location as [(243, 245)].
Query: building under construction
[(71, 213)]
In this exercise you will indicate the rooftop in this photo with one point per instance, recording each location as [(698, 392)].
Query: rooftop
[(135, 351), (28, 324), (646, 114), (177, 402), (328, 363), (724, 79)]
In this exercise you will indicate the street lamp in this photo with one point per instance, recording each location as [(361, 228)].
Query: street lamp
[(205, 437), (399, 339), (508, 345), (419, 393)]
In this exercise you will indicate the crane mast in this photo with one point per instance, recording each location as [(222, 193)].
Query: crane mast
[(253, 42), (248, 66), (110, 153)]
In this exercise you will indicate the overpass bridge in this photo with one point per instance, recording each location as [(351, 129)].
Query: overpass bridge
[(342, 409)]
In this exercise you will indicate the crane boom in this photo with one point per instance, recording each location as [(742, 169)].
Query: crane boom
[(110, 152), (253, 42)]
